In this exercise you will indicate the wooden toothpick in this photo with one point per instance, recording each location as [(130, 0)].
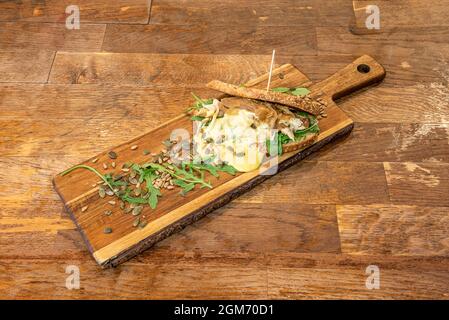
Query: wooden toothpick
[(271, 70)]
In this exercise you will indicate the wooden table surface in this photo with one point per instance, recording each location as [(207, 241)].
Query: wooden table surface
[(380, 197)]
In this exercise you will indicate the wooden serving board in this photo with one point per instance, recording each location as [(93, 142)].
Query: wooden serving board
[(173, 211)]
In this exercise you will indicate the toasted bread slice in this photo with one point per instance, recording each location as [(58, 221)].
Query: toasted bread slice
[(298, 145), (306, 104)]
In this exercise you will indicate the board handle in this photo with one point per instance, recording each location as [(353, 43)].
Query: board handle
[(358, 74)]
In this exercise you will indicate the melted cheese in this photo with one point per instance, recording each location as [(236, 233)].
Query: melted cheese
[(233, 139)]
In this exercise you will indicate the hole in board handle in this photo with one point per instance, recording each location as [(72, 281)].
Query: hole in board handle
[(363, 68)]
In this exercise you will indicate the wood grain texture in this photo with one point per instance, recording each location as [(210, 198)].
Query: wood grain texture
[(327, 183), (50, 36), (25, 66), (225, 13), (155, 69), (207, 39), (260, 12), (295, 276), (98, 11), (405, 105), (394, 230), (194, 276), (152, 105), (419, 13), (392, 142), (398, 41), (418, 183)]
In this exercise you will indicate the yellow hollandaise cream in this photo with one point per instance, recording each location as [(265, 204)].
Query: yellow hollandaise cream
[(234, 131)]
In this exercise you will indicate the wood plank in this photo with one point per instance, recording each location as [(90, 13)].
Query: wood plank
[(231, 275), (98, 11), (424, 184), (261, 12), (145, 106), (240, 227), (151, 69), (301, 276), (380, 142), (207, 39), (403, 41), (407, 105), (232, 12), (394, 230), (403, 13), (324, 183), (25, 66), (50, 36), (422, 67), (216, 279)]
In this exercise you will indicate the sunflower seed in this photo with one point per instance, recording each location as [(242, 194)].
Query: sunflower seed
[(112, 155), (133, 181), (137, 210), (170, 187), (102, 192), (95, 160), (113, 164), (105, 166), (84, 208), (109, 192), (108, 212), (107, 230), (136, 222), (125, 169), (112, 202), (134, 147), (122, 205)]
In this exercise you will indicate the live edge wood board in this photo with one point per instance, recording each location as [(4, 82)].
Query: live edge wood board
[(174, 212)]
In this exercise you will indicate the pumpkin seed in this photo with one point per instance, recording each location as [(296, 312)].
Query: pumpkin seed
[(107, 230), (122, 205), (133, 181), (112, 202), (146, 152), (105, 166), (134, 147), (128, 210), (136, 222), (109, 192), (112, 155), (142, 224), (113, 164), (137, 192)]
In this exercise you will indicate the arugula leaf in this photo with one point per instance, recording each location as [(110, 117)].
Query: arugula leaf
[(197, 118), (281, 89), (228, 169), (300, 92)]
